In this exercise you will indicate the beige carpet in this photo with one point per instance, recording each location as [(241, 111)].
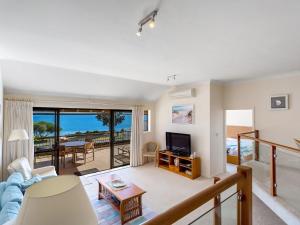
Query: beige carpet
[(166, 189), (262, 215), (288, 181)]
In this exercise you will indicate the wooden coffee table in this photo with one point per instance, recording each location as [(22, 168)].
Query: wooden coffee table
[(128, 200)]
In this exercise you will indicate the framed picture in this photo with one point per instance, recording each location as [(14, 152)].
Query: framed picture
[(182, 114), (279, 102)]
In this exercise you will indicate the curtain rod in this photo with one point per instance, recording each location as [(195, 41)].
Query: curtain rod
[(66, 101), (17, 99), (88, 102)]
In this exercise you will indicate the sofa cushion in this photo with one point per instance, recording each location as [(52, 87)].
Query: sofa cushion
[(27, 183), (9, 212), (21, 165), (11, 222), (15, 179), (2, 188), (11, 194)]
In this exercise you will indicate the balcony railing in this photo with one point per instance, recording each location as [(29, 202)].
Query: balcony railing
[(101, 139), (274, 149), (276, 169)]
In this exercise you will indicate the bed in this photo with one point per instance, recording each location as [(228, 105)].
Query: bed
[(247, 146)]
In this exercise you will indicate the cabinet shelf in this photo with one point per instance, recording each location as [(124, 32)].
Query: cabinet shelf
[(185, 166), (166, 160), (163, 159)]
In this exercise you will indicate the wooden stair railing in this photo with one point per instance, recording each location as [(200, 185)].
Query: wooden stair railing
[(256, 136), (243, 181), (273, 149), (217, 206)]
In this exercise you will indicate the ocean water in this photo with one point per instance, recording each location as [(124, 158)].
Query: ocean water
[(71, 124)]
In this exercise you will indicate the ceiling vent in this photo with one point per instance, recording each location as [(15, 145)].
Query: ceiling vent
[(184, 93)]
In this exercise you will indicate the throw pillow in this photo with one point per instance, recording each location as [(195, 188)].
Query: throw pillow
[(21, 165), (27, 183)]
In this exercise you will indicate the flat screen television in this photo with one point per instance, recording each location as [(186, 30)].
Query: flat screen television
[(179, 144)]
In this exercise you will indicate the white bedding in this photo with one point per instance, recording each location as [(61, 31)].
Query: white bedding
[(246, 146)]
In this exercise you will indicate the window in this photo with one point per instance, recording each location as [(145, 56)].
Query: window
[(146, 120)]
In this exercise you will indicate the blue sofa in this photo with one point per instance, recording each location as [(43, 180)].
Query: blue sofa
[(11, 195)]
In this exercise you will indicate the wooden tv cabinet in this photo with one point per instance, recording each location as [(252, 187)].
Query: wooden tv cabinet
[(166, 161)]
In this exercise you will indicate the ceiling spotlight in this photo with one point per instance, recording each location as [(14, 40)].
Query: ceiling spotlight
[(139, 32), (150, 19), (152, 23)]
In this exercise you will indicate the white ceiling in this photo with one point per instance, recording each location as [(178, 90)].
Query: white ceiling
[(196, 39), (33, 79)]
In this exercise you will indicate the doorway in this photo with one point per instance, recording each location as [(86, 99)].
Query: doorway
[(238, 121)]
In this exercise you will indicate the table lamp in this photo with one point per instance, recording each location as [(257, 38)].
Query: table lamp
[(17, 135), (59, 200)]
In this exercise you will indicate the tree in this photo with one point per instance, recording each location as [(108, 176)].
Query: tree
[(43, 129), (104, 116)]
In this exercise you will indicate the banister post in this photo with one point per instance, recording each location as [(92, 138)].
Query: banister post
[(217, 206), (244, 186), (273, 189), (256, 146), (239, 148)]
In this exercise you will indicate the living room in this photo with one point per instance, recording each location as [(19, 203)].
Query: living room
[(135, 94)]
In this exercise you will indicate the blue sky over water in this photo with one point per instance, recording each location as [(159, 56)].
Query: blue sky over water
[(82, 123)]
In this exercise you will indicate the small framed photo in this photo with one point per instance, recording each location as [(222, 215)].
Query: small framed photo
[(279, 102)]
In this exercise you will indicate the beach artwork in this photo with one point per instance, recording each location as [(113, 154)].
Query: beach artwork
[(182, 114)]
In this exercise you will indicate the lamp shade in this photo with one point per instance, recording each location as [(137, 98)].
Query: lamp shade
[(18, 135), (60, 200)]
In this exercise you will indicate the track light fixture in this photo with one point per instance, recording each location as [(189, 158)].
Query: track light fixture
[(139, 32), (150, 19), (171, 77)]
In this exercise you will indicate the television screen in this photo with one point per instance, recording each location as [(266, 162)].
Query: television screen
[(179, 144)]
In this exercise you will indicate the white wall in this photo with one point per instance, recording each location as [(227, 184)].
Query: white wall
[(242, 117), (1, 121), (278, 126), (203, 130), (218, 163)]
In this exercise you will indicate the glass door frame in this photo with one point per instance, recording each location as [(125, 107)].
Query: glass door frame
[(56, 112), (112, 135)]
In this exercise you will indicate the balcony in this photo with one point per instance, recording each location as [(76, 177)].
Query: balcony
[(45, 153)]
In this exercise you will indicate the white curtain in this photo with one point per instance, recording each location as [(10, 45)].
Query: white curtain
[(17, 115), (137, 129)]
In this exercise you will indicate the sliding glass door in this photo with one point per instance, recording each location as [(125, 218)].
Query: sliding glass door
[(121, 134), (81, 141), (85, 138), (45, 126)]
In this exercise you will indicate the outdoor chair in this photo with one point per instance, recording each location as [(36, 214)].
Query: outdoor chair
[(63, 152), (87, 148), (122, 155)]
